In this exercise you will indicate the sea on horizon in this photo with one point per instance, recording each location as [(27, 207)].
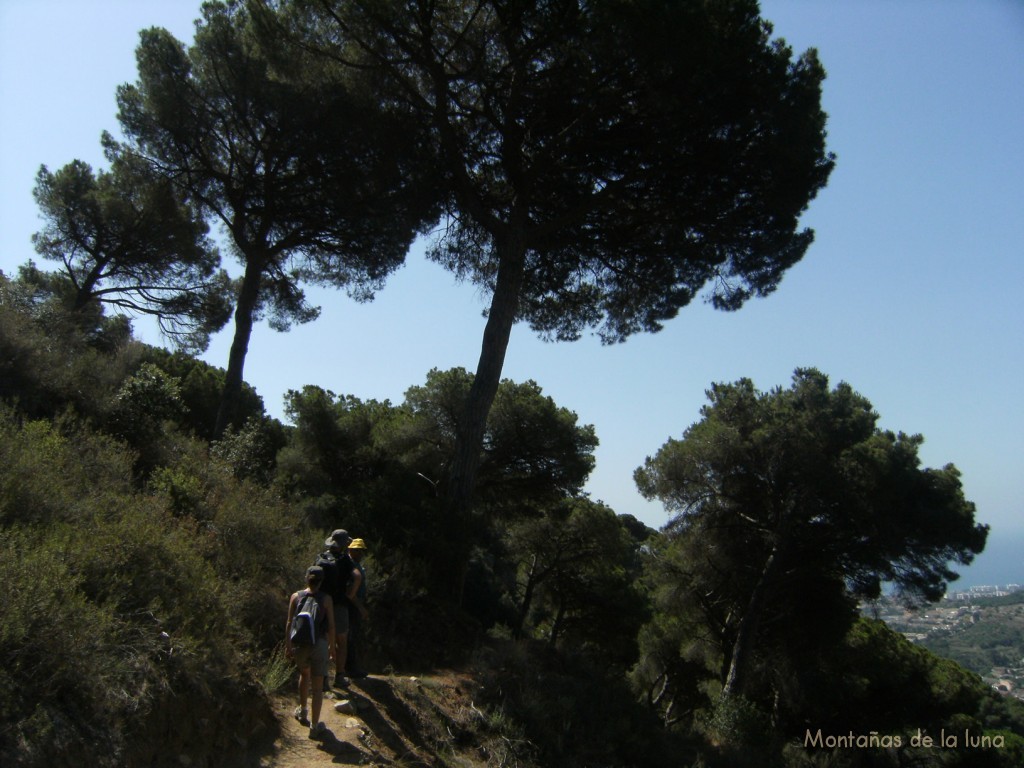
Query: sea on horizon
[(1001, 562)]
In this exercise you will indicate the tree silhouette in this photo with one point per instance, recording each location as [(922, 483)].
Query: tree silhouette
[(790, 505), (293, 167), (126, 239), (603, 162)]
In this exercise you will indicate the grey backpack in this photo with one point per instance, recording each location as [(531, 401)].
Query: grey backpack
[(306, 621)]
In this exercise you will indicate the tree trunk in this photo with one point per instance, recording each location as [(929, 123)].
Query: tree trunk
[(556, 625), (248, 298), (469, 438), (746, 638), (524, 608), (83, 292)]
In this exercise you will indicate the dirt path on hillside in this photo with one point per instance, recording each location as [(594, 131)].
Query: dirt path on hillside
[(381, 722), (341, 744), (348, 739)]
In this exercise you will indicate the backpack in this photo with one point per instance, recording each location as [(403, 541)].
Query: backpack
[(345, 566), (328, 561), (306, 622)]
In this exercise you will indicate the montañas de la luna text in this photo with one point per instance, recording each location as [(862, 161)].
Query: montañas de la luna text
[(876, 740)]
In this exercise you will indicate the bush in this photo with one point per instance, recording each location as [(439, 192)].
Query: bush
[(123, 643), (740, 733), (58, 472), (60, 685), (105, 667), (51, 360), (247, 534), (571, 712)]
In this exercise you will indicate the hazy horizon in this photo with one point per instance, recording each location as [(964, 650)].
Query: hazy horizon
[(999, 564)]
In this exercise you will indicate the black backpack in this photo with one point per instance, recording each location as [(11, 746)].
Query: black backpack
[(328, 561), (337, 575), (343, 568), (306, 621)]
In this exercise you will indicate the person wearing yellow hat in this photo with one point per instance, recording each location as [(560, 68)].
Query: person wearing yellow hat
[(356, 594)]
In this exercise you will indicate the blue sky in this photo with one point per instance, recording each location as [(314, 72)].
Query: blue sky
[(911, 291)]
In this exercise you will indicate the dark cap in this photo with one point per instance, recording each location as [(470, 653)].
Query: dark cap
[(314, 572), (338, 538)]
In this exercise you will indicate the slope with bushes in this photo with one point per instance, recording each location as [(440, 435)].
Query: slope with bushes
[(121, 630), (147, 571)]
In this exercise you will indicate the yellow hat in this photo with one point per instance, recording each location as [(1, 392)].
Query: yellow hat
[(357, 544)]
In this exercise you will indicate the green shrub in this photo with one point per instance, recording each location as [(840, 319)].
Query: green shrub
[(740, 732), (571, 712), (61, 685), (52, 359), (58, 472), (277, 672), (123, 644), (246, 533)]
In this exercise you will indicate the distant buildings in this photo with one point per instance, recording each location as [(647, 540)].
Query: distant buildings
[(958, 612), (984, 591)]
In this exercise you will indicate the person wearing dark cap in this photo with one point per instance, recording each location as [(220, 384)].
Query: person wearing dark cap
[(311, 660), (337, 567)]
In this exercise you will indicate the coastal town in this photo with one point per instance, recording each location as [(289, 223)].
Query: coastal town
[(979, 627)]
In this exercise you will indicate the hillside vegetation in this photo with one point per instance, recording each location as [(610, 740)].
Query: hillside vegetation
[(147, 570), (591, 167), (992, 639)]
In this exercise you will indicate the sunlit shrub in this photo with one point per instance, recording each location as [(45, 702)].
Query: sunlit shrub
[(62, 679), (123, 643), (58, 472)]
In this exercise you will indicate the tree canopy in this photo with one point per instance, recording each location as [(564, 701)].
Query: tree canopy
[(602, 162), (577, 573), (383, 462), (126, 238), (791, 504), (290, 164), (534, 451)]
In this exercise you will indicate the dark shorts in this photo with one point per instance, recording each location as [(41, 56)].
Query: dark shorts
[(313, 656), (340, 618)]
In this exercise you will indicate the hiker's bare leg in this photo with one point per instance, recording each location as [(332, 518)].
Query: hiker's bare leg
[(331, 651), (304, 686), (318, 699), (340, 653)]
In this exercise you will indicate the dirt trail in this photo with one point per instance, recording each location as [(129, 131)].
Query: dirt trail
[(388, 721), (341, 744)]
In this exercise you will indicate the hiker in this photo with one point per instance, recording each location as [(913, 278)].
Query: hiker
[(357, 613), (338, 568), (311, 658)]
